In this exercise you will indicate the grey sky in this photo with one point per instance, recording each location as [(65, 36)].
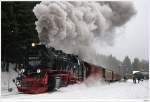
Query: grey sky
[(132, 39)]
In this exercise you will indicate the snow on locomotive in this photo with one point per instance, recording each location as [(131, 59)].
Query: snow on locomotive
[(45, 69)]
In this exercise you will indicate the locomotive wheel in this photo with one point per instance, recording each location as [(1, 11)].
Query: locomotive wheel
[(51, 83)]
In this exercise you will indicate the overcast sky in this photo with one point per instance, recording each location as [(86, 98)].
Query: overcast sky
[(132, 39)]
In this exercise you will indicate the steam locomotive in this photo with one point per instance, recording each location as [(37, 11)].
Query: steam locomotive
[(45, 69)]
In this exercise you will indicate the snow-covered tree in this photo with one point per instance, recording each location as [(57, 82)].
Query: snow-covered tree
[(18, 30), (136, 64), (127, 66)]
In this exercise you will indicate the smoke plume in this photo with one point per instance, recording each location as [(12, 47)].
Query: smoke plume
[(75, 27)]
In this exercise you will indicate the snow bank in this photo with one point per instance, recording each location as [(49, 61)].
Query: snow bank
[(6, 81)]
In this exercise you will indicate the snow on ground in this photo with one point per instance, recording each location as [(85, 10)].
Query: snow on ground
[(87, 90), (109, 91)]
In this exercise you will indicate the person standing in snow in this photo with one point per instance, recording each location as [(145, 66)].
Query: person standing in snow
[(138, 78), (134, 79), (125, 78)]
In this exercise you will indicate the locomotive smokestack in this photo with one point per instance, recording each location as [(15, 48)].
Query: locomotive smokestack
[(75, 27)]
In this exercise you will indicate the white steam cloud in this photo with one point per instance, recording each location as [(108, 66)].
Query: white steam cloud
[(75, 27)]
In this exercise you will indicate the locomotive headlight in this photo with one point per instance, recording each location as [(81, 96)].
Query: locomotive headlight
[(22, 70), (38, 70), (18, 83), (33, 44)]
